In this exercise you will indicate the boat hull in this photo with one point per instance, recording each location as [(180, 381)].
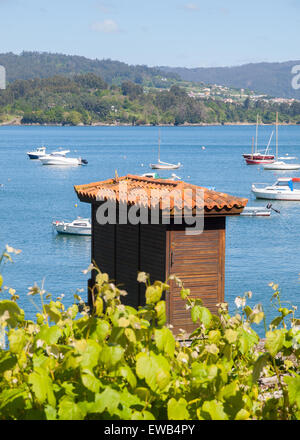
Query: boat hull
[(259, 156), (250, 161), (164, 167), (72, 230), (60, 161), (271, 195)]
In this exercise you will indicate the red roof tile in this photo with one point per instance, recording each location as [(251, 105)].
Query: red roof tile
[(112, 189)]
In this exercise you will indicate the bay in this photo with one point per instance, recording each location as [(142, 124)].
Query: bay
[(258, 250)]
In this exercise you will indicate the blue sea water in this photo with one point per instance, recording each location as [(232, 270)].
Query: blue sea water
[(258, 250)]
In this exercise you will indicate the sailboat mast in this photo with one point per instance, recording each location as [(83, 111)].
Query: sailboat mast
[(256, 133), (276, 135), (159, 145)]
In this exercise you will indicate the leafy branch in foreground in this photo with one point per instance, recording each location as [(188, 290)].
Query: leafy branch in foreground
[(116, 362)]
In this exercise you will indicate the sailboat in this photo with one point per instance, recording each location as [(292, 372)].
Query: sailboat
[(163, 165), (279, 164), (256, 157)]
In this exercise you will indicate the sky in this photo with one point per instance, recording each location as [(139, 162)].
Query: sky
[(177, 33)]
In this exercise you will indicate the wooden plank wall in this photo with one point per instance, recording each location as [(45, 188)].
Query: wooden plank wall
[(198, 260), (103, 246), (127, 262), (152, 254)]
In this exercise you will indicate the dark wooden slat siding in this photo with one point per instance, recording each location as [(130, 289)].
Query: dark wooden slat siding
[(103, 246), (198, 261), (152, 254), (127, 262)]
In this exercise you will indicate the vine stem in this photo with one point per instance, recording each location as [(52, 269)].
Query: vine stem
[(285, 396)]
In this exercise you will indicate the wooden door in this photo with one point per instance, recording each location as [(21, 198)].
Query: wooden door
[(198, 260)]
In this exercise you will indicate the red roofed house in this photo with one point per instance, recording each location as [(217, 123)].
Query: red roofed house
[(161, 227)]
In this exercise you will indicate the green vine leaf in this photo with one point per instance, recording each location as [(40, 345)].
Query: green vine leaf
[(274, 341), (177, 409)]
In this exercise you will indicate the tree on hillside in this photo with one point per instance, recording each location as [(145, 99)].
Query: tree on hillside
[(131, 90), (90, 81), (178, 91)]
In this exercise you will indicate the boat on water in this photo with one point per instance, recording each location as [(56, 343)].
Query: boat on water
[(282, 189), (36, 154), (80, 226), (160, 165), (41, 152), (280, 164), (256, 157), (165, 166), (59, 159)]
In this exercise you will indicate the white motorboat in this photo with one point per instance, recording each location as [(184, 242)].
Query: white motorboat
[(59, 159), (38, 153), (280, 164), (80, 226), (282, 189), (160, 165)]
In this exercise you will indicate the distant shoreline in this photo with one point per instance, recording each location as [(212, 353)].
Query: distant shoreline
[(100, 124)]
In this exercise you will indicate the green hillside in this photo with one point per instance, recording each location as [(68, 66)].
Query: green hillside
[(88, 99)]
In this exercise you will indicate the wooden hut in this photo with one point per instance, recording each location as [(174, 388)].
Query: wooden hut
[(123, 249)]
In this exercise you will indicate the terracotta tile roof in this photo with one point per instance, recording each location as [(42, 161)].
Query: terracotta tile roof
[(112, 189)]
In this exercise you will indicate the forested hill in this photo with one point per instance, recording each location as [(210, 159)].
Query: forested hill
[(30, 65), (87, 99), (274, 79)]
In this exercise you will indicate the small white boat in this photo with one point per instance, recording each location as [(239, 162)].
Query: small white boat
[(59, 159), (164, 165), (282, 189), (38, 153), (80, 226), (160, 165), (256, 211)]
